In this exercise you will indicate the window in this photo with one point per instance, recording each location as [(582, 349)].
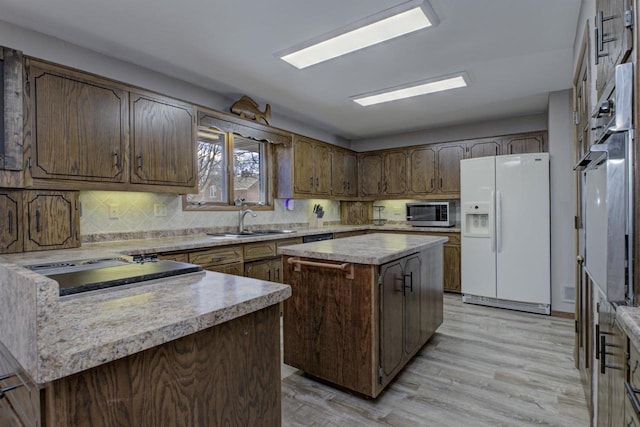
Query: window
[(231, 168)]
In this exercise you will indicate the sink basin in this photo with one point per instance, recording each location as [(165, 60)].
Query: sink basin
[(249, 233)]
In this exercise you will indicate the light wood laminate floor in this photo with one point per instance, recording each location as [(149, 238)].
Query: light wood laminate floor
[(483, 367)]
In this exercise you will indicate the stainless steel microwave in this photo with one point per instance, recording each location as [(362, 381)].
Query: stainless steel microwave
[(431, 214)]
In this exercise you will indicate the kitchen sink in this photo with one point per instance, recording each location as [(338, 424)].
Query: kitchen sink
[(249, 233)]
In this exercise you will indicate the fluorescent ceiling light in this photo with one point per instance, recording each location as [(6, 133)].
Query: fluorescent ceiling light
[(394, 22), (414, 89)]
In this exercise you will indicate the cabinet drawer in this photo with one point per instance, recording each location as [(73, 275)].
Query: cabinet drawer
[(217, 256), (179, 256), (236, 269), (259, 250), (287, 242)]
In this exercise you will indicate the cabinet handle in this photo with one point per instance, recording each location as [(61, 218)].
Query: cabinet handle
[(431, 183), (116, 160), (277, 274), (410, 276), (311, 181), (269, 275), (440, 182), (217, 258), (10, 222), (139, 161), (317, 182), (37, 220), (496, 150), (378, 186), (601, 40)]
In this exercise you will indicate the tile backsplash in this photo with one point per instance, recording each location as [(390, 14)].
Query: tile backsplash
[(106, 212)]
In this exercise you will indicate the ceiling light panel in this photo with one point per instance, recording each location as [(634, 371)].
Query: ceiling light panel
[(413, 89), (392, 23)]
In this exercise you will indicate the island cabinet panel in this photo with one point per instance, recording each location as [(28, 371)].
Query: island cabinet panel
[(79, 125), (391, 319), (322, 320), (163, 141), (227, 375)]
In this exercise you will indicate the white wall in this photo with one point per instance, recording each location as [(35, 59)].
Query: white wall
[(454, 133), (55, 50), (563, 251)]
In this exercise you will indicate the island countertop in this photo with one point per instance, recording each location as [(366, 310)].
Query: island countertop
[(371, 249)]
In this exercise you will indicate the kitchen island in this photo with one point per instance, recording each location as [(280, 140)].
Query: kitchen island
[(361, 307), (196, 349)]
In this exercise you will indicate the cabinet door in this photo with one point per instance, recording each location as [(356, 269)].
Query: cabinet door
[(338, 178), (235, 269), (303, 179), (350, 168), (259, 269), (391, 318), (10, 222), (520, 144), (451, 273), (162, 141), (322, 169), (614, 39), (395, 173), (51, 220), (370, 174), (483, 148), (413, 291), (449, 157), (79, 126), (422, 170)]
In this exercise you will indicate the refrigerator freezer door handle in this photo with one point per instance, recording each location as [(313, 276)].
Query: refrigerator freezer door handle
[(492, 219), (498, 221)]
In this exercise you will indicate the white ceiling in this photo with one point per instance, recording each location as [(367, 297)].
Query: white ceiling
[(514, 51)]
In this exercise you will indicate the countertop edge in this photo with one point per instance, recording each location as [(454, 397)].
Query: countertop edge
[(629, 320)]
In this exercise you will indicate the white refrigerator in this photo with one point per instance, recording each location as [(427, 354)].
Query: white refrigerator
[(506, 232)]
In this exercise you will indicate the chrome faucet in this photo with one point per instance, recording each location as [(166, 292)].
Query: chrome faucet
[(242, 213)]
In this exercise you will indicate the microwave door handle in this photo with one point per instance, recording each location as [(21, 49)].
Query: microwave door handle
[(492, 213)]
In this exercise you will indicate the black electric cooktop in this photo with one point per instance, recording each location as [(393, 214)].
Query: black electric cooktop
[(89, 275)]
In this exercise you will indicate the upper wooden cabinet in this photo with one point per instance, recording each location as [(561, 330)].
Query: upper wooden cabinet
[(422, 170), (88, 132), (78, 125), (448, 166), (304, 168), (162, 141), (344, 173), (383, 173), (484, 148), (613, 38), (524, 143)]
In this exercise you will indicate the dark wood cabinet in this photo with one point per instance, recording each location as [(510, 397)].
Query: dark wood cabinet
[(305, 169), (452, 266), (79, 125), (422, 170), (484, 148), (611, 360), (11, 220), (383, 174), (344, 173), (525, 143), (448, 166), (51, 220), (394, 183), (370, 174), (163, 141), (613, 38)]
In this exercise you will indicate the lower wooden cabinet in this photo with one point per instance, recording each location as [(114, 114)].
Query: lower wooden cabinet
[(36, 220), (20, 404), (610, 367), (265, 269)]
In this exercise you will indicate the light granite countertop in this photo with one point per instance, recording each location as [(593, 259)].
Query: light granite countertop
[(629, 320), (53, 336), (370, 249)]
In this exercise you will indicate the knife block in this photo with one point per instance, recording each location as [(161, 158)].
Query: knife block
[(315, 222)]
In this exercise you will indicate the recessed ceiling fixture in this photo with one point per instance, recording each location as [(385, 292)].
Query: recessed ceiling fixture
[(413, 89), (397, 21)]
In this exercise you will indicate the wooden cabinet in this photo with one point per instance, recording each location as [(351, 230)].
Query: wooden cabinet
[(383, 174), (344, 173), (20, 405), (611, 364), (162, 141), (358, 328), (448, 167), (452, 267), (422, 170), (175, 256), (11, 220), (370, 174), (216, 258), (525, 143), (613, 38), (484, 148), (87, 132), (51, 220), (265, 269), (632, 387), (305, 169), (79, 125)]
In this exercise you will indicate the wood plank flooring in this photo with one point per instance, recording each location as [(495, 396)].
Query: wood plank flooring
[(484, 367)]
